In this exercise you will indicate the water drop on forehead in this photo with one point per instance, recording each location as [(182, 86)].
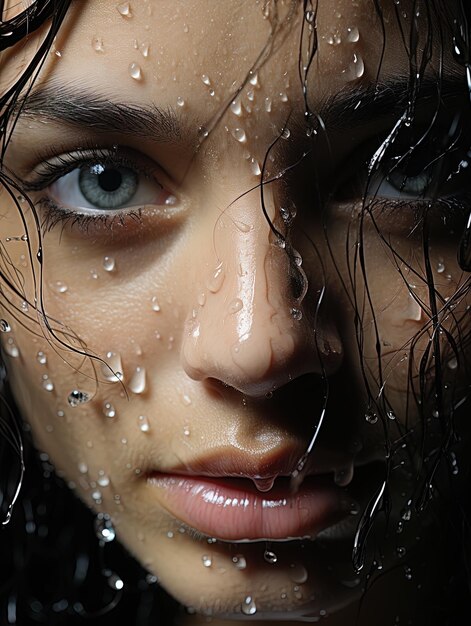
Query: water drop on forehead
[(135, 71)]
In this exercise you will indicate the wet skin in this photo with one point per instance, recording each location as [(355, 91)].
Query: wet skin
[(222, 354)]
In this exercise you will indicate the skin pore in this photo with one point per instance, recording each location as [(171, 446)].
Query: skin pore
[(218, 341)]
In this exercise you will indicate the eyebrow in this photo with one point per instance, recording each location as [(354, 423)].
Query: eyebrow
[(365, 103), (345, 110), (87, 109)]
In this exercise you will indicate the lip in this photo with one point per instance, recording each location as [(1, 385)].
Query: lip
[(233, 509)]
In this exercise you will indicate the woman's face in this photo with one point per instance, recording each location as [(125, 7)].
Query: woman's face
[(221, 315)]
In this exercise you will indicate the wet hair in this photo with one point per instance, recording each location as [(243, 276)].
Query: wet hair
[(58, 560)]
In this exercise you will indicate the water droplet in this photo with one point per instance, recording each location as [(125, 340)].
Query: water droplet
[(47, 383), (103, 480), (115, 582), (180, 101), (144, 49), (343, 476), (124, 9), (203, 133), (11, 348), (285, 133), (353, 34), (440, 266), (135, 71), (283, 96), (201, 298), (453, 363), (60, 287), (333, 39), (109, 264), (248, 606), (408, 573), (255, 167), (186, 431), (216, 279), (137, 384), (24, 306), (356, 69), (401, 551), (371, 417), (186, 28), (235, 305), (4, 326), (391, 415), (296, 314), (97, 44), (250, 96), (268, 104), (264, 484), (155, 304), (239, 135), (206, 80), (207, 560), (41, 358), (77, 397), (104, 528), (309, 16), (270, 557), (112, 368), (144, 424), (406, 513), (109, 410), (413, 310), (239, 561)]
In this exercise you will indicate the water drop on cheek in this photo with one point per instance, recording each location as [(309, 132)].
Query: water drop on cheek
[(109, 264), (11, 348), (97, 44), (216, 280), (239, 135), (109, 410), (77, 397), (144, 424), (144, 49), (236, 107), (124, 9), (137, 384), (47, 383), (155, 304), (239, 561)]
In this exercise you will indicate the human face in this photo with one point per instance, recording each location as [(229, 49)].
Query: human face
[(209, 359)]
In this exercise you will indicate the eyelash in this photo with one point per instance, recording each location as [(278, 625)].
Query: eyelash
[(55, 167)]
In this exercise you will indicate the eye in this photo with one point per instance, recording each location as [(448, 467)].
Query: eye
[(102, 186), (402, 182)]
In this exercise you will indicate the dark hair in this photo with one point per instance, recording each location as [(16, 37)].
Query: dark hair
[(57, 562)]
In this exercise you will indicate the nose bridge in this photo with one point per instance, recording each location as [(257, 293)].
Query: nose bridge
[(241, 330)]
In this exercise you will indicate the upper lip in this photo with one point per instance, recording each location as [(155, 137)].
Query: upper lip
[(227, 462)]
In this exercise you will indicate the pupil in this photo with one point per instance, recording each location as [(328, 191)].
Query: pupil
[(110, 180)]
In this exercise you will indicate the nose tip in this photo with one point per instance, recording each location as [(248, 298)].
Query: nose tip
[(247, 334)]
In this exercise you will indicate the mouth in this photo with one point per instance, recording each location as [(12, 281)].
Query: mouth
[(234, 509), (240, 497)]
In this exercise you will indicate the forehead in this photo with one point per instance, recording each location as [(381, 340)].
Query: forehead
[(156, 48)]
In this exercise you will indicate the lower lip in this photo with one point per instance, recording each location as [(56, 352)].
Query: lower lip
[(233, 509)]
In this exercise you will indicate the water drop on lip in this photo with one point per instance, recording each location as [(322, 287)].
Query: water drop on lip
[(135, 71), (109, 264), (239, 561), (270, 557), (77, 397), (353, 34), (239, 135), (4, 326), (124, 9), (207, 560), (264, 484), (109, 410), (180, 101), (248, 606), (137, 384), (97, 44)]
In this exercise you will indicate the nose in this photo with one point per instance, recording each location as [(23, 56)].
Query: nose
[(246, 328)]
